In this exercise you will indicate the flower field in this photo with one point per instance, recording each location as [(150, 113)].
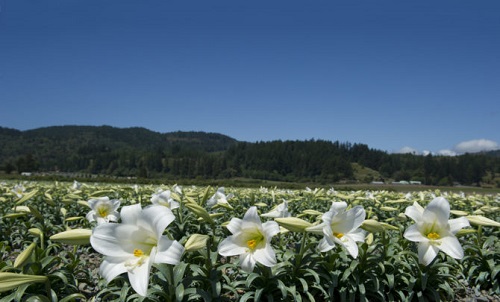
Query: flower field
[(103, 242)]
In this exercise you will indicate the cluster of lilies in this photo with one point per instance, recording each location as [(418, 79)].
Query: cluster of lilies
[(133, 239)]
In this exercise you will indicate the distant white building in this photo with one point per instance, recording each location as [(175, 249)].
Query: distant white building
[(401, 182), (415, 182)]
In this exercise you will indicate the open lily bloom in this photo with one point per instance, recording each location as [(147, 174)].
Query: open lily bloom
[(133, 245), (18, 190), (103, 210), (279, 211), (433, 231), (76, 185), (219, 198), (163, 198), (177, 189), (251, 240), (341, 227)]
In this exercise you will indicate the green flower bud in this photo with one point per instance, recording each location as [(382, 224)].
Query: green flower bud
[(481, 220), (24, 256), (199, 211), (196, 242), (73, 237), (76, 218), (260, 204), (372, 226), (10, 281), (293, 224), (389, 209), (312, 212), (389, 226), (459, 213), (36, 232), (21, 209), (369, 239), (14, 215), (27, 196)]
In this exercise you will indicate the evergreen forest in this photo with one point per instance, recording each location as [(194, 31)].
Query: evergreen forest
[(139, 152)]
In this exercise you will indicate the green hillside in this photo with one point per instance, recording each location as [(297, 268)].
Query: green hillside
[(138, 152)]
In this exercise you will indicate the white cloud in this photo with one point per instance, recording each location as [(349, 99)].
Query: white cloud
[(446, 152), (472, 146), (476, 145), (407, 149)]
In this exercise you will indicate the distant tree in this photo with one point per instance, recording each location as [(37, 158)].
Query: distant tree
[(401, 175)]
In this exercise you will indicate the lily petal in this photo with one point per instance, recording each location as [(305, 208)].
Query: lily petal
[(349, 221), (357, 235), (412, 233), (139, 277), (338, 206), (316, 229), (112, 267), (451, 246), (169, 251), (114, 217), (229, 248), (415, 212), (130, 214), (265, 256), (270, 229), (247, 262), (427, 252), (90, 216), (251, 218), (234, 225), (437, 211), (457, 224), (349, 244), (116, 204), (324, 245), (159, 217), (105, 239)]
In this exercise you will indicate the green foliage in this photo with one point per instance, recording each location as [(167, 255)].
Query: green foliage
[(386, 269), (89, 152)]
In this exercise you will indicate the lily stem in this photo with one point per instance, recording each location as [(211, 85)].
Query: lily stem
[(300, 255)]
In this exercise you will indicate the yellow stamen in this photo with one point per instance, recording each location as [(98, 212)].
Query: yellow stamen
[(338, 235), (140, 259), (103, 211), (433, 236), (138, 253), (252, 243)]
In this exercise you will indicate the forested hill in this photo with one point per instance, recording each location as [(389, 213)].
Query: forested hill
[(99, 149), (140, 152)]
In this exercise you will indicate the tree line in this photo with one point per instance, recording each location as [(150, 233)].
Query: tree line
[(139, 152)]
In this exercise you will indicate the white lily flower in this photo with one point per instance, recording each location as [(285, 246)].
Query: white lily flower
[(19, 190), (280, 211), (369, 195), (76, 185), (251, 240), (177, 189), (163, 198), (133, 245), (219, 198), (433, 231), (103, 210), (341, 227), (331, 191)]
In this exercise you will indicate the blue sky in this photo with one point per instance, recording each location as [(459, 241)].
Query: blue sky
[(396, 75)]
